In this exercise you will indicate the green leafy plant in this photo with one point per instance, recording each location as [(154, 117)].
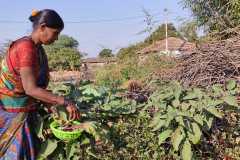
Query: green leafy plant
[(182, 121), (97, 104), (183, 115)]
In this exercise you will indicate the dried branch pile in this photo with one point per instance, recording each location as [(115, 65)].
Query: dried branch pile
[(209, 64)]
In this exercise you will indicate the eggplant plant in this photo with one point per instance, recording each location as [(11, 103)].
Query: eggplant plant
[(183, 115)]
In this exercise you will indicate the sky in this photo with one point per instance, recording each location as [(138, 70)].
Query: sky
[(95, 24)]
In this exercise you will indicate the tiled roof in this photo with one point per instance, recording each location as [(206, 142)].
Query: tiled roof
[(174, 44)]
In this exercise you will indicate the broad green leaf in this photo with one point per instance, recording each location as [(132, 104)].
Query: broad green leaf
[(198, 119), (171, 114), (162, 105), (233, 92), (231, 84), (186, 152), (76, 157), (207, 101), (91, 91), (70, 150), (47, 148), (196, 134), (198, 93), (106, 107), (164, 135), (171, 111), (177, 138), (193, 103), (62, 89), (160, 124), (93, 129), (89, 152), (85, 141), (217, 89), (184, 113), (176, 103), (208, 121), (214, 103), (177, 91), (192, 110), (147, 106), (214, 112), (39, 128), (165, 96), (185, 106), (157, 118), (57, 154), (190, 96), (180, 121), (231, 100)]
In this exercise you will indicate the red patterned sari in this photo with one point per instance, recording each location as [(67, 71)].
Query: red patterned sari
[(17, 110)]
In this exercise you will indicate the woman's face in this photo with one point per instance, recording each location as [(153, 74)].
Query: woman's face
[(48, 35)]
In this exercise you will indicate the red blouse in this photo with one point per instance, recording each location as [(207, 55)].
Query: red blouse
[(22, 53)]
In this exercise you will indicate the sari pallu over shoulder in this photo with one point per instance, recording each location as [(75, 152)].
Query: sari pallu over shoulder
[(12, 94)]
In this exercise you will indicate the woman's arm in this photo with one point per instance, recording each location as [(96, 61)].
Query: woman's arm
[(31, 89)]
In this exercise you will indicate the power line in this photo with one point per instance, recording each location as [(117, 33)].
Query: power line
[(88, 21)]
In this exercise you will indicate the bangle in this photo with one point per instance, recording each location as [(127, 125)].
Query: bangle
[(67, 102)]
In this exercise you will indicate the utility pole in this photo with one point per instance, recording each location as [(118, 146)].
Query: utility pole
[(166, 28)]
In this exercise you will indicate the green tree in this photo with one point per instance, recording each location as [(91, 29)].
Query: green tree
[(216, 16), (189, 31), (66, 41), (128, 52), (160, 33), (64, 54), (105, 53)]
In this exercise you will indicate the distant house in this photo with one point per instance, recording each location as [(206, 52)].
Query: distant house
[(92, 63), (86, 72), (65, 76), (175, 45)]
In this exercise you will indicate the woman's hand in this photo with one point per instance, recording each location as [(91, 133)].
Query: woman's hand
[(73, 111)]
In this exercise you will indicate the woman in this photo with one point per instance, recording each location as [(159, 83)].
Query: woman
[(24, 76)]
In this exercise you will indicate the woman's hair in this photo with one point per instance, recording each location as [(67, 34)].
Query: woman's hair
[(47, 16)]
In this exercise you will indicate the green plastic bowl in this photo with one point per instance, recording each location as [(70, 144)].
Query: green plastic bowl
[(65, 135)]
